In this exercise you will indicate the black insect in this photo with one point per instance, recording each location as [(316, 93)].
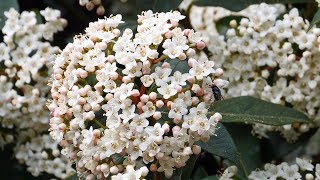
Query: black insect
[(216, 93)]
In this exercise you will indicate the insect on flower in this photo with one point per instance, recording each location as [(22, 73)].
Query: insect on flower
[(216, 93)]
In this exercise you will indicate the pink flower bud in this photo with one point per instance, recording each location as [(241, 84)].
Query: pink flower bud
[(176, 120), (201, 45), (159, 103), (96, 157), (182, 56), (126, 79), (116, 32), (195, 100), (62, 127), (206, 97), (157, 115), (96, 133), (81, 101), (174, 23), (186, 32), (139, 105), (144, 98), (110, 58), (104, 168), (187, 151), (165, 65), (196, 149), (218, 72), (191, 52), (135, 93), (159, 155), (168, 34), (176, 129), (114, 170), (191, 79), (108, 97), (98, 168), (153, 96), (87, 107), (166, 127), (178, 88)]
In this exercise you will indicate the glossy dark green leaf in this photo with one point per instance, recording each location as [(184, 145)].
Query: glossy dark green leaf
[(5, 6), (155, 5), (248, 148), (315, 19), (276, 147), (252, 110), (200, 173), (221, 145), (237, 5), (236, 144), (213, 177)]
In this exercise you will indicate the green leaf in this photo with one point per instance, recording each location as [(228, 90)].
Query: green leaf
[(5, 6), (223, 23), (165, 5), (237, 5), (214, 177), (315, 19), (156, 5), (200, 173), (276, 147), (252, 110), (221, 145), (73, 177), (248, 148), (237, 145)]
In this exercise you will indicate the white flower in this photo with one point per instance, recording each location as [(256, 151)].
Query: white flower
[(178, 109), (167, 91), (304, 164)]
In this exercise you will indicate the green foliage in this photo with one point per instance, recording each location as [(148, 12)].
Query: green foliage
[(248, 148), (223, 23), (5, 6), (221, 145), (237, 5), (315, 19), (155, 5), (236, 145), (252, 110), (276, 146), (200, 173)]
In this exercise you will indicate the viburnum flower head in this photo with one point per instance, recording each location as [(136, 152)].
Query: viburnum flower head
[(119, 98)]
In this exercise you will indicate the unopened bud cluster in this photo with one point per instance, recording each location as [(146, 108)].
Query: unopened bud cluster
[(91, 4), (122, 97)]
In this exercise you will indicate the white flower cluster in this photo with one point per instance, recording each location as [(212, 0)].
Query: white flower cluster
[(139, 97), (204, 19), (24, 68), (25, 64), (273, 59), (301, 168), (41, 155), (91, 4)]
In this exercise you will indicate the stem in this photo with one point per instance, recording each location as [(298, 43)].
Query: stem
[(161, 58), (156, 175), (99, 124)]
